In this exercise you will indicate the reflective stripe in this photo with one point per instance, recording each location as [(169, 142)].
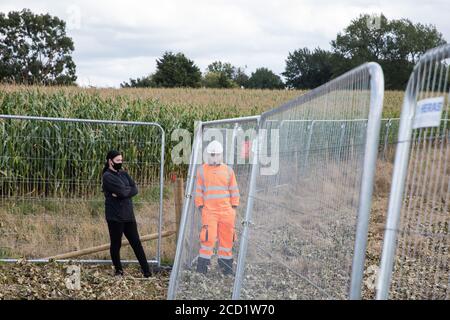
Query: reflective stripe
[(216, 188), (202, 255), (206, 248), (225, 249), (217, 196), (225, 257), (198, 194)]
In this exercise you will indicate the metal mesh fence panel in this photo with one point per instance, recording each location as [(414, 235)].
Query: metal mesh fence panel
[(307, 222), (416, 246), (50, 184), (236, 136)]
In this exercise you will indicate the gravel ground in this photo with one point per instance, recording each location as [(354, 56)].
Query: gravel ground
[(24, 280)]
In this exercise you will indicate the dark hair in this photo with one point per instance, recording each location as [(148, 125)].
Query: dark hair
[(111, 155)]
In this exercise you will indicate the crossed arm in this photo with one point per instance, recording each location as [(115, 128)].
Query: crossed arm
[(118, 188)]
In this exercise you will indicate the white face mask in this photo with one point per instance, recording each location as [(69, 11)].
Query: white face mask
[(215, 160)]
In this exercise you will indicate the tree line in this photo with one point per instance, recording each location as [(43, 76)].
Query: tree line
[(176, 70), (34, 49)]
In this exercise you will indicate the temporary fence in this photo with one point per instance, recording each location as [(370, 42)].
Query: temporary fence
[(308, 194), (415, 254), (236, 136), (50, 184)]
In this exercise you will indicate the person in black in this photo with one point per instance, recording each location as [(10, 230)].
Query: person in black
[(119, 188)]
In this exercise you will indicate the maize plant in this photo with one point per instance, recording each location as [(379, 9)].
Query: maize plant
[(63, 159)]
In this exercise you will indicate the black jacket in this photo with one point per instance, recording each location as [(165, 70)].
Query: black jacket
[(119, 208)]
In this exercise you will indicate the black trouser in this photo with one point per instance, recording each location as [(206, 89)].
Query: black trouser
[(116, 229)]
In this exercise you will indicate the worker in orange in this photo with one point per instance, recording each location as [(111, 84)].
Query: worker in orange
[(245, 150), (217, 197)]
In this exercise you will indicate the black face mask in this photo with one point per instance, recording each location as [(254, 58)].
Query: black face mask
[(116, 166)]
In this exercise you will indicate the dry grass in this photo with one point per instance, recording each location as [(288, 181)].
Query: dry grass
[(43, 229)]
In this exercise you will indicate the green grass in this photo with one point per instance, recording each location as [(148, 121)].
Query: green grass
[(5, 253)]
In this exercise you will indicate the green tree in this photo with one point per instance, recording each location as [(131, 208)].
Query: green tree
[(307, 70), (217, 80), (226, 68), (240, 77), (34, 49), (396, 45), (175, 70), (264, 78), (144, 82), (220, 75)]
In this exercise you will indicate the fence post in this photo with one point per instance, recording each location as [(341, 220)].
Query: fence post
[(398, 187), (240, 268), (308, 147), (370, 159), (341, 140), (386, 137), (161, 193)]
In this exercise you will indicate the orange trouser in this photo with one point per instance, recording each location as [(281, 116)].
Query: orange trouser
[(217, 225)]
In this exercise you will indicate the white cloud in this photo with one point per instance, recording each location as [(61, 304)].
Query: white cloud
[(117, 40), (106, 71)]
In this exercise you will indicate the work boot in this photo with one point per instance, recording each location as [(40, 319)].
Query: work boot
[(202, 265), (226, 265)]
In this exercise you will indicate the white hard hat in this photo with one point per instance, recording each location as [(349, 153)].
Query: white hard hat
[(214, 147)]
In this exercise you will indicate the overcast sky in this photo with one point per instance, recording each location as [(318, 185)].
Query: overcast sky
[(118, 40)]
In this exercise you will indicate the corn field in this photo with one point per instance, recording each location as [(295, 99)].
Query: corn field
[(70, 145)]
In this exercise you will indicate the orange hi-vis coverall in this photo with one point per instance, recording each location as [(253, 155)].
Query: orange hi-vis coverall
[(217, 191)]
